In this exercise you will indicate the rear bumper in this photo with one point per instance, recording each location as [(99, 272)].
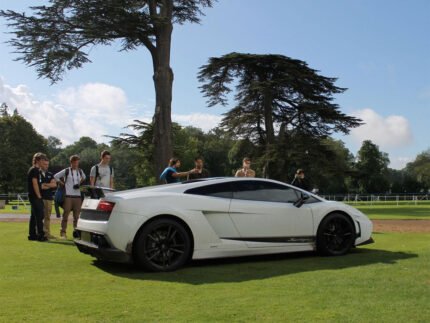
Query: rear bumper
[(98, 246), (368, 241)]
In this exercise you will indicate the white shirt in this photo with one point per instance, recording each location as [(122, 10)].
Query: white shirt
[(75, 176), (103, 180)]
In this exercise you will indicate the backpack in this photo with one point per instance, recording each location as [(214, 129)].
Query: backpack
[(59, 196)]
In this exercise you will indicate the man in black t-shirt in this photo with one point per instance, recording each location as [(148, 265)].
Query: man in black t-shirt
[(300, 181), (35, 231), (200, 171)]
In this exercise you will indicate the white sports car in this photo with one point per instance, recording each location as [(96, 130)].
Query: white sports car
[(161, 227)]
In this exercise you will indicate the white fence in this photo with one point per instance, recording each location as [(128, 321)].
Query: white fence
[(16, 198), (377, 199)]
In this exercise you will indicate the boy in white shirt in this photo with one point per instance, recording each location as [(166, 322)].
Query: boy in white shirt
[(102, 174), (71, 178)]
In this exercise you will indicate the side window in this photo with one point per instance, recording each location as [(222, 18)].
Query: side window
[(215, 190), (312, 200), (264, 191)]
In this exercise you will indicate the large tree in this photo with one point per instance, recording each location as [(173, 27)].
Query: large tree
[(58, 37), (372, 169), (273, 92), (19, 142), (419, 169)]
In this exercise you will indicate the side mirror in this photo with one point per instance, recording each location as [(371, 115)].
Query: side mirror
[(301, 200)]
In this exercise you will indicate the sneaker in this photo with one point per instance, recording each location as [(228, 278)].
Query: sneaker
[(63, 236), (51, 237), (58, 216), (32, 238), (42, 239)]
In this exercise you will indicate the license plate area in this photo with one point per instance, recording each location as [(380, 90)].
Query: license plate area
[(85, 236)]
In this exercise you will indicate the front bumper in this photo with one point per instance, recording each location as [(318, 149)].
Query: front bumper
[(368, 241), (97, 245)]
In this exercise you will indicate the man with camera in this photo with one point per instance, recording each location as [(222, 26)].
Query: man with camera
[(71, 178)]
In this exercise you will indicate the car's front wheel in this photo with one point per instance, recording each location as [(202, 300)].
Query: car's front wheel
[(336, 235), (163, 245)]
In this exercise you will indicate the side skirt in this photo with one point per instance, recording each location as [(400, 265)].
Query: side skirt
[(307, 239)]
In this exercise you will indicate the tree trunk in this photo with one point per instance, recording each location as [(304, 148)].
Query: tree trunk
[(163, 81), (270, 134)]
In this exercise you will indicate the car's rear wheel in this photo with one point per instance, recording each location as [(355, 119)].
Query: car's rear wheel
[(163, 245), (336, 235)]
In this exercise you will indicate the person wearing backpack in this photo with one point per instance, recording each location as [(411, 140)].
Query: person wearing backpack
[(71, 178), (102, 174)]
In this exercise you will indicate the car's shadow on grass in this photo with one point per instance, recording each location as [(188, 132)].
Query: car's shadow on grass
[(62, 242), (228, 270)]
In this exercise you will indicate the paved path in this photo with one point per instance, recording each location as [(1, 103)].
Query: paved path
[(401, 225), (21, 218)]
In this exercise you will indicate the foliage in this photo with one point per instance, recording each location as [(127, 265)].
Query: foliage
[(188, 143), (19, 142), (328, 164), (419, 170), (372, 169), (273, 91), (402, 181), (54, 146), (3, 110), (86, 148), (59, 37)]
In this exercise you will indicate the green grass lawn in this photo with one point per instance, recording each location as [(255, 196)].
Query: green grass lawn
[(388, 281), (403, 212), (21, 209)]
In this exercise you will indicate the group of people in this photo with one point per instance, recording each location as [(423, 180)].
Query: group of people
[(172, 175), (42, 186)]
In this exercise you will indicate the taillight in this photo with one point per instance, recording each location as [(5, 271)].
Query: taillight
[(105, 206)]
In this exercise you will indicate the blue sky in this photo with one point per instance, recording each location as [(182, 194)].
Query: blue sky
[(379, 50)]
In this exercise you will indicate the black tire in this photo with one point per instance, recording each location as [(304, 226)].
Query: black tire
[(336, 235), (163, 245)]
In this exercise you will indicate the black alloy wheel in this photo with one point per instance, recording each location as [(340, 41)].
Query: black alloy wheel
[(336, 235), (163, 245)]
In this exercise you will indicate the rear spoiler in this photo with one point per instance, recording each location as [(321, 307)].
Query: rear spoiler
[(95, 192)]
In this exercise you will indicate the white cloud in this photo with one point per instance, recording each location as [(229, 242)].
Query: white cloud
[(89, 110), (92, 109), (97, 101), (204, 121), (387, 132), (400, 162)]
